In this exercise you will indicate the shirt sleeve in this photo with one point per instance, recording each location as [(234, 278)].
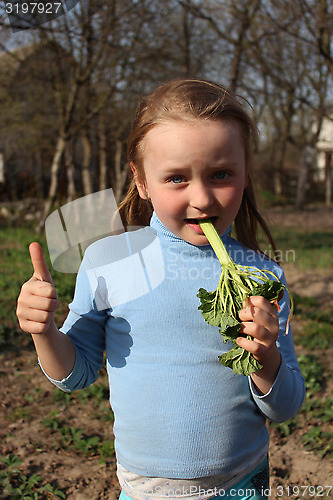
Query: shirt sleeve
[(85, 326), (286, 395)]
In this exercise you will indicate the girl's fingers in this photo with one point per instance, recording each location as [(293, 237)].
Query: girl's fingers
[(257, 301), (41, 271), (36, 316), (44, 304), (258, 321), (34, 327), (37, 309), (260, 312), (256, 348), (36, 305), (39, 288), (259, 334), (38, 299)]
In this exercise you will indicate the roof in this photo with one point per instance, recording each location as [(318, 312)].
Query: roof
[(11, 61)]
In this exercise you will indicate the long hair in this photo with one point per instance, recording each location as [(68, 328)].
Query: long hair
[(188, 100)]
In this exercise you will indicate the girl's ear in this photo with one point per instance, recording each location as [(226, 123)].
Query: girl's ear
[(140, 185)]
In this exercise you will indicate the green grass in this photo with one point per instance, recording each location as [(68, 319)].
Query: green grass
[(312, 250), (69, 437), (316, 334), (308, 248), (315, 409), (16, 268), (19, 480), (17, 484), (304, 249), (317, 325)]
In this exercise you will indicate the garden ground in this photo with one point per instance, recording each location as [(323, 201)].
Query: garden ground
[(56, 445)]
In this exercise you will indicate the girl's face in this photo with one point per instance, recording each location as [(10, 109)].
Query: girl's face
[(194, 170)]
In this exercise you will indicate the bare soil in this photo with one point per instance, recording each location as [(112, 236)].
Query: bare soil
[(26, 398), (307, 283), (291, 464)]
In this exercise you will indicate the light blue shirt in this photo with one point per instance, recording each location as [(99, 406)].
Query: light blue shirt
[(178, 412)]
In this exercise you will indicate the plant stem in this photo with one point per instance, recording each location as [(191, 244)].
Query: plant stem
[(216, 242)]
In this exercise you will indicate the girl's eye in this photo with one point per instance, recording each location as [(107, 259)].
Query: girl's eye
[(221, 175), (177, 179)]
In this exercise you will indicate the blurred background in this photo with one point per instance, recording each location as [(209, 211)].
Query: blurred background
[(68, 91)]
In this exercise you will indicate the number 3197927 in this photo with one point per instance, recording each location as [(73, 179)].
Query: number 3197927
[(302, 491), (32, 8)]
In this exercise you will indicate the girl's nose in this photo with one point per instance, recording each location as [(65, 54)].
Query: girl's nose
[(201, 196)]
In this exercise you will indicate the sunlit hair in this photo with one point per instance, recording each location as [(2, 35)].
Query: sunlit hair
[(189, 100)]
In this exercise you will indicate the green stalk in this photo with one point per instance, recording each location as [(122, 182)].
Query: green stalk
[(220, 308), (217, 244), (221, 252)]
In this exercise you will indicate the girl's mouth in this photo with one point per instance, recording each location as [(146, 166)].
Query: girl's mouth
[(194, 223)]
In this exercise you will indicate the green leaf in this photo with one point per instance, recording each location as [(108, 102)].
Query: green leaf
[(232, 331), (271, 289), (211, 308), (240, 361), (221, 307)]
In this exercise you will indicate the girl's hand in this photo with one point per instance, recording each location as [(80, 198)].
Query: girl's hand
[(38, 299), (260, 320)]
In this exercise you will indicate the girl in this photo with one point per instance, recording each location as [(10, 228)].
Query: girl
[(184, 424)]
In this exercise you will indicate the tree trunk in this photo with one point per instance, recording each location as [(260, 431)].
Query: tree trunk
[(278, 173), (2, 169), (237, 57), (102, 153), (303, 176), (328, 178), (121, 173), (55, 167), (39, 174), (70, 173), (187, 39), (63, 137), (277, 181), (276, 165), (86, 177)]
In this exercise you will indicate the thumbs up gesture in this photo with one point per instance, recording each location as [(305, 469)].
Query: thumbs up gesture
[(38, 299)]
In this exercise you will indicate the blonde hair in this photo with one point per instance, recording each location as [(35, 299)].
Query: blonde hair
[(191, 99)]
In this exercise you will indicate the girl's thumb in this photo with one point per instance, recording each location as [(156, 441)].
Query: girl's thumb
[(41, 271)]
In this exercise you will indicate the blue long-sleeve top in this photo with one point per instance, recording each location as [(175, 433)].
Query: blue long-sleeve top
[(178, 412)]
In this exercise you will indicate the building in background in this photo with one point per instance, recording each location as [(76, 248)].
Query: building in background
[(324, 148)]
